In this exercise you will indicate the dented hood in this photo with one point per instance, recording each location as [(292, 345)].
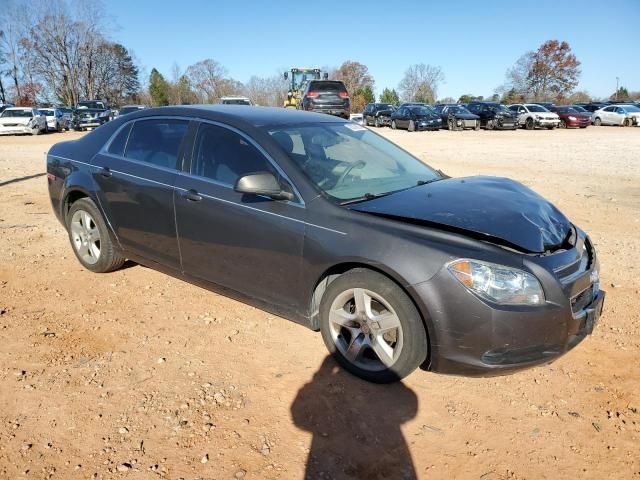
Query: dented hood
[(496, 209)]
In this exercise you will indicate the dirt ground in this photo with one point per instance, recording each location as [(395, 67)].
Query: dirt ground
[(138, 375)]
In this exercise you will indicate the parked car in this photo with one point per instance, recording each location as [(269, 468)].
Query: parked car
[(378, 114), (356, 118), (14, 120), (580, 109), (4, 106), (56, 122), (591, 106), (494, 115), (415, 117), (235, 101), (532, 115), (572, 117), (67, 113), (623, 115), (91, 114), (329, 224), (457, 117), (130, 109), (327, 96)]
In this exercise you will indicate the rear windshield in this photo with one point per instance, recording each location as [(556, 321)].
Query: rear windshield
[(47, 112), (91, 105), (328, 86), (17, 113), (236, 101)]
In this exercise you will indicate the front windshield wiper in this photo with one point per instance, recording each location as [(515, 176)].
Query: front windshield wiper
[(365, 197)]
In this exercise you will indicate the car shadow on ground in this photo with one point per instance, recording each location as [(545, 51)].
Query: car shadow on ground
[(355, 426), (20, 179)]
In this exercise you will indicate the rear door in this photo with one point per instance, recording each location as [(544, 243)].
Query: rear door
[(247, 243), (135, 174)]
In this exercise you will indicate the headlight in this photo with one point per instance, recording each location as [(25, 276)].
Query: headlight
[(498, 283), (104, 114), (571, 117)]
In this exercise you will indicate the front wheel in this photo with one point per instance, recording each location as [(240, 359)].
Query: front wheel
[(372, 327), (376, 122), (528, 124), (477, 127), (393, 125), (628, 122), (563, 124), (412, 126), (491, 124), (90, 238), (597, 122)]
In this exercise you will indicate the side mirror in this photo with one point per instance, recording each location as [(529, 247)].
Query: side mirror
[(286, 75), (325, 76), (262, 183)]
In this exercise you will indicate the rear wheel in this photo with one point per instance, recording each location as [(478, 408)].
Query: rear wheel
[(372, 327), (597, 122), (628, 122), (393, 125), (90, 238), (491, 124), (528, 124)]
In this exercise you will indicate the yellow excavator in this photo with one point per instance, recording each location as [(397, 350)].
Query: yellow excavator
[(299, 77)]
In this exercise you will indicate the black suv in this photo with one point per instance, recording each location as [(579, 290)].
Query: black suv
[(494, 115), (90, 114), (378, 113), (327, 96)]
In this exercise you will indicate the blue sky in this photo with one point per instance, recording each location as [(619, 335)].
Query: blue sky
[(473, 42)]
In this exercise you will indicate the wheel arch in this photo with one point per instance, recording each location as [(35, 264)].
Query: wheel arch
[(339, 269)]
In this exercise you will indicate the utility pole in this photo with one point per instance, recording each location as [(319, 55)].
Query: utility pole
[(617, 87)]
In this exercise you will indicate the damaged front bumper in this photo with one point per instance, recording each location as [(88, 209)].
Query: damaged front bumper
[(474, 337)]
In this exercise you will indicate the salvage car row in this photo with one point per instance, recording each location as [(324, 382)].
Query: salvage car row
[(495, 116)]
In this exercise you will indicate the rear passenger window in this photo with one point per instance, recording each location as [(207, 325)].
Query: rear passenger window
[(224, 156), (118, 143), (156, 141)]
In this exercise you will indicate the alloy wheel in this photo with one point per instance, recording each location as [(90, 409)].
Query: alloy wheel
[(85, 236), (365, 329)]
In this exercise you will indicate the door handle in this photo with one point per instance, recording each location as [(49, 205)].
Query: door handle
[(191, 195), (105, 172)]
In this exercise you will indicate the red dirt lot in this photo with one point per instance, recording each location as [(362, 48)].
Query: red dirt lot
[(135, 374)]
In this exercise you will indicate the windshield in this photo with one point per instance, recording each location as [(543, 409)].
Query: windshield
[(537, 108), (567, 110), (631, 108), (99, 105), (347, 161), (386, 106), (458, 109), (47, 112), (580, 109), (300, 78), (16, 113), (421, 110), (236, 101), (500, 109)]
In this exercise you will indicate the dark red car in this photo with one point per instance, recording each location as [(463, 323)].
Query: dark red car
[(571, 116)]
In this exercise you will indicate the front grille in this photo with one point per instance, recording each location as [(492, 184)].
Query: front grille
[(580, 301), (469, 123)]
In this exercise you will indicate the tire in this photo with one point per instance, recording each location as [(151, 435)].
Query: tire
[(58, 127), (376, 122), (563, 124), (491, 124), (597, 122), (36, 131), (412, 126), (628, 122), (451, 124), (393, 125), (404, 344), (90, 238), (364, 121), (477, 127), (528, 124)]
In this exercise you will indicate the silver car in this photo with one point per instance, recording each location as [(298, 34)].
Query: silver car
[(625, 115), (56, 121)]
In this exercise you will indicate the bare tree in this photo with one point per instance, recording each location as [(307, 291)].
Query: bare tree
[(420, 83), (208, 79), (355, 76)]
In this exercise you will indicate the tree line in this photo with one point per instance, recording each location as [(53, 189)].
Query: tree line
[(60, 52)]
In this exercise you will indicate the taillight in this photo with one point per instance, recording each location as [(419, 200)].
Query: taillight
[(313, 94), (344, 94)]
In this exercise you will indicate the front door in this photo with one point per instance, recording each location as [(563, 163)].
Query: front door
[(135, 176), (247, 243)]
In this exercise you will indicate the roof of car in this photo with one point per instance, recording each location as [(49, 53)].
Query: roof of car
[(22, 108), (255, 116)]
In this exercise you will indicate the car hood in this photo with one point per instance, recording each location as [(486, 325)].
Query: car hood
[(491, 208), (14, 120), (465, 116)]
